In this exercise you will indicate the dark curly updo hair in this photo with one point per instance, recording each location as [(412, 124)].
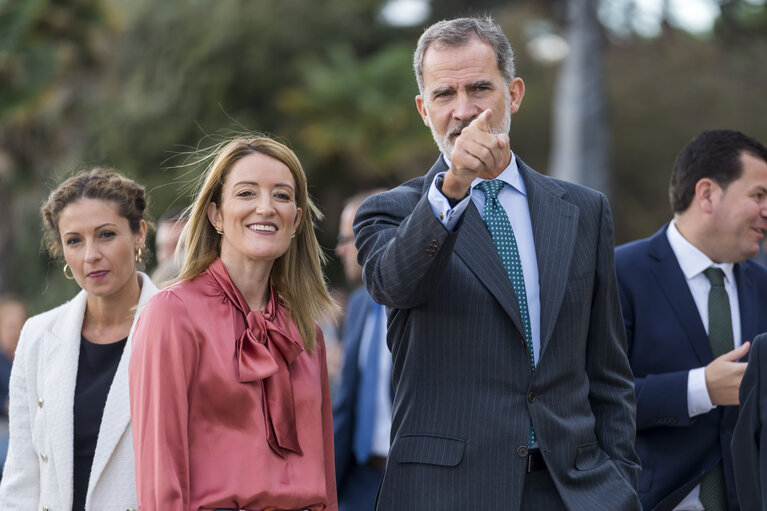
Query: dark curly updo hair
[(128, 197)]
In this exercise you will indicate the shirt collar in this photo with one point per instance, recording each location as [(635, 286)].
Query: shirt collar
[(691, 259), (510, 175)]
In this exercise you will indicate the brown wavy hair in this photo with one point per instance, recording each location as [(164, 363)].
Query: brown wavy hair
[(129, 198), (297, 274)]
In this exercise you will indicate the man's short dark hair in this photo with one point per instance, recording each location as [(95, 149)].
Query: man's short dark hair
[(715, 155)]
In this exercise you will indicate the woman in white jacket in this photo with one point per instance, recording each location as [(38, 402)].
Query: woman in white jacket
[(70, 434)]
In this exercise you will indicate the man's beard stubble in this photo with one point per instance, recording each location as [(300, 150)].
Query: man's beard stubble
[(444, 143)]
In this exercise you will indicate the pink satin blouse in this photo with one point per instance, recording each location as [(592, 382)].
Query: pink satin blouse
[(228, 410)]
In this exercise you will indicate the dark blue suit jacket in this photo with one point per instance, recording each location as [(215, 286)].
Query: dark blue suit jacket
[(748, 456), (666, 338), (345, 399)]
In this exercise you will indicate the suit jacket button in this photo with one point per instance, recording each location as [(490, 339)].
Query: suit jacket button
[(522, 451), (531, 397), (434, 244), (40, 402)]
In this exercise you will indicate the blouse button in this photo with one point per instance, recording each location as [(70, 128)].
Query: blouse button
[(44, 458), (40, 402), (46, 508)]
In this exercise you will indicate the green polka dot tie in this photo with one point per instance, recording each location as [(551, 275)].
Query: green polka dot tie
[(503, 236)]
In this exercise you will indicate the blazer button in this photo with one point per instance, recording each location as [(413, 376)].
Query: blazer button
[(522, 451), (531, 397), (40, 402), (44, 458)]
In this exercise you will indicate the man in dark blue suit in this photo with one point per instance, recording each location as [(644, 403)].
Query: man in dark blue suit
[(691, 303), (362, 406)]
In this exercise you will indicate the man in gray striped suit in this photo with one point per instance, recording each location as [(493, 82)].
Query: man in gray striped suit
[(512, 386)]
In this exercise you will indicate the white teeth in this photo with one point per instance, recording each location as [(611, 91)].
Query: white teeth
[(261, 227)]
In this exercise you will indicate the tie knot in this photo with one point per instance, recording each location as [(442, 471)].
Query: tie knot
[(715, 276), (491, 188)]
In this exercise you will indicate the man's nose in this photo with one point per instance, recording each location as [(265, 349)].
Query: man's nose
[(465, 109)]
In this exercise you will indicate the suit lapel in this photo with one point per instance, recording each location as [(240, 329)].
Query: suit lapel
[(555, 222), (62, 352), (116, 417), (669, 277), (748, 301), (476, 249)]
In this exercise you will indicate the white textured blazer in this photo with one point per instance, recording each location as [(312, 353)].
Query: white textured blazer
[(38, 469)]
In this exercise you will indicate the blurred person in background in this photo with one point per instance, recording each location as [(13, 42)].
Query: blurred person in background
[(166, 243), (691, 301), (330, 325), (70, 445), (13, 314), (748, 458), (362, 406), (229, 385)]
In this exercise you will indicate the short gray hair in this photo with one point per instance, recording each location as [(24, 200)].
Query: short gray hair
[(460, 32)]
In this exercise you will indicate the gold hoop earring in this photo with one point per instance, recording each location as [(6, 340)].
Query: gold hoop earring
[(293, 235), (138, 255), (218, 231), (67, 275)]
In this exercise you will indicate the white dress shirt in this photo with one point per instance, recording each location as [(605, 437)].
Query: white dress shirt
[(513, 198), (693, 262)]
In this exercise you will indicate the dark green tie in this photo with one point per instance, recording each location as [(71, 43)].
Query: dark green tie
[(498, 224), (713, 493), (719, 314)]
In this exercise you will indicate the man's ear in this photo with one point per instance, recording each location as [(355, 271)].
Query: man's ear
[(516, 93), (421, 106), (706, 191)]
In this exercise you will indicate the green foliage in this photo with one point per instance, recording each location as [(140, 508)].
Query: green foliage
[(141, 85), (670, 89)]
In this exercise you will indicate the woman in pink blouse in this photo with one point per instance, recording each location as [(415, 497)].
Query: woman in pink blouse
[(228, 383)]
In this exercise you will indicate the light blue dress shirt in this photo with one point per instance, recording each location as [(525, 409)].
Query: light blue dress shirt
[(513, 198)]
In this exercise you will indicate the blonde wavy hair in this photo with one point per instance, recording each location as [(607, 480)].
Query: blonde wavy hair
[(297, 274)]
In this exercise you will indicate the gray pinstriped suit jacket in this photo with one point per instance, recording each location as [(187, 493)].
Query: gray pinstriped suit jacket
[(464, 395)]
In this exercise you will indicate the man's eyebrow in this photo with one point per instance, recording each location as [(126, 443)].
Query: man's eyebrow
[(440, 90), (480, 83)]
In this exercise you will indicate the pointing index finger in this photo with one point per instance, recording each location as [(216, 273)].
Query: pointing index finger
[(482, 121)]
